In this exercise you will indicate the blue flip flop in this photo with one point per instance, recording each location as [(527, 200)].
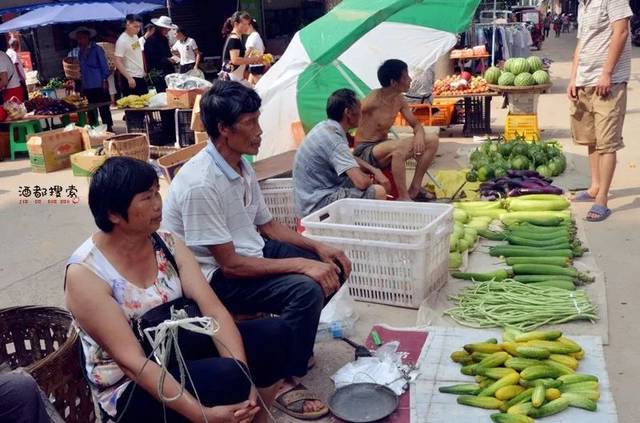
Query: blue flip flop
[(582, 197), (600, 211)]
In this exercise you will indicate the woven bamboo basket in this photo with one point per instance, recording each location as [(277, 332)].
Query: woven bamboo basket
[(96, 140), (110, 53), (40, 340), (129, 145), (71, 68)]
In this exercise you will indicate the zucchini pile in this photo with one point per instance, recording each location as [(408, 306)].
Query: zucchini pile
[(529, 375)]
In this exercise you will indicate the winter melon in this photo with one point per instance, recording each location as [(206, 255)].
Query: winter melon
[(535, 63), (524, 80), (492, 75), (519, 66), (541, 77), (507, 78)]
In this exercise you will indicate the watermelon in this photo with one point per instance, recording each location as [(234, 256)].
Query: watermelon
[(519, 66), (541, 77), (507, 78), (535, 63), (524, 80), (507, 65), (492, 75)]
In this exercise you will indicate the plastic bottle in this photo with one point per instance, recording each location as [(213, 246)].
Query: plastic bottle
[(334, 330)]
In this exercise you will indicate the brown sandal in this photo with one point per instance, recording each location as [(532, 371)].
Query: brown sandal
[(292, 403)]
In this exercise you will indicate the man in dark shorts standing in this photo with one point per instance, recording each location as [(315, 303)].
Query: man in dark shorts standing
[(379, 111)]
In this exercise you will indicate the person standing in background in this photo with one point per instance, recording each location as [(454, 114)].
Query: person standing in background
[(557, 25), (9, 79), (187, 49), (95, 71), (12, 52), (129, 59), (598, 93), (234, 58), (547, 24), (255, 47), (158, 53)]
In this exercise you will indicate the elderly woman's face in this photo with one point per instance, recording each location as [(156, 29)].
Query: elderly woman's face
[(145, 211)]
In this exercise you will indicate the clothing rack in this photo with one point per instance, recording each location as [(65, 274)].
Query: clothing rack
[(495, 25)]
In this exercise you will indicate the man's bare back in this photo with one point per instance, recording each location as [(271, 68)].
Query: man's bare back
[(379, 111)]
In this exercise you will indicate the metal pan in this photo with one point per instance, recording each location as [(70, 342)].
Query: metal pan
[(363, 402)]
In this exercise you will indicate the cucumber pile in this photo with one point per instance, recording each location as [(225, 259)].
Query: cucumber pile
[(529, 375)]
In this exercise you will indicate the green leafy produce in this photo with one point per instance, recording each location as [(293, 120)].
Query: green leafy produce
[(545, 171), (485, 173), (520, 163), (472, 176)]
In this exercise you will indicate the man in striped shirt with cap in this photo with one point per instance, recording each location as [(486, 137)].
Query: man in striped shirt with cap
[(598, 91)]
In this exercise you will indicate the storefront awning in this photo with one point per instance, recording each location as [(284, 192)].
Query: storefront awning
[(77, 12)]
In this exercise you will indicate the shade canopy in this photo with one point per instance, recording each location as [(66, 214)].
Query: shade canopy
[(76, 13), (344, 49)]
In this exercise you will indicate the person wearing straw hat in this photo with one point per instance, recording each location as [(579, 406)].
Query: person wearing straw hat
[(94, 72), (158, 53)]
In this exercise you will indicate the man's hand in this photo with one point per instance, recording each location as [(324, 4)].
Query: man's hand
[(572, 91), (325, 274), (418, 147), (330, 255), (381, 179), (603, 88), (131, 82)]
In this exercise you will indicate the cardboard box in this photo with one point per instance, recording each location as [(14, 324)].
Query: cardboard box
[(182, 99), (201, 137), (86, 162), (171, 163), (196, 121), (51, 150)]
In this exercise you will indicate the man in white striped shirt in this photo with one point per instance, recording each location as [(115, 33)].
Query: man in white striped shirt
[(598, 91)]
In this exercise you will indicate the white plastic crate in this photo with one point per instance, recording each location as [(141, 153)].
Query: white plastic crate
[(278, 195), (391, 221), (396, 274)]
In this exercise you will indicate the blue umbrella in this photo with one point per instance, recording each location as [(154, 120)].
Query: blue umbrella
[(76, 12)]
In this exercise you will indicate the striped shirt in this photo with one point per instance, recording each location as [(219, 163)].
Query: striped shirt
[(595, 19), (210, 204)]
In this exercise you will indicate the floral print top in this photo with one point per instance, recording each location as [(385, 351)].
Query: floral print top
[(101, 369)]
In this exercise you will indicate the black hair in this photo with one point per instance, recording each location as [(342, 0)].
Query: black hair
[(113, 186), (227, 27), (391, 70), (13, 42), (133, 18), (148, 27), (224, 103), (254, 24), (182, 31), (339, 101)]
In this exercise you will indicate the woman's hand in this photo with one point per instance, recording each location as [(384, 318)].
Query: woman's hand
[(242, 412)]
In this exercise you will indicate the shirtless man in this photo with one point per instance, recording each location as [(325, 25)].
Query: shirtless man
[(379, 110)]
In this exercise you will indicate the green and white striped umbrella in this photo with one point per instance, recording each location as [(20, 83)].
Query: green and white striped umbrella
[(344, 49)]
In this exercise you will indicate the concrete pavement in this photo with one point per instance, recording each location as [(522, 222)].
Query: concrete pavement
[(37, 239)]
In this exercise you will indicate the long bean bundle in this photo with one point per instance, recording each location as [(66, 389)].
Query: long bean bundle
[(510, 303)]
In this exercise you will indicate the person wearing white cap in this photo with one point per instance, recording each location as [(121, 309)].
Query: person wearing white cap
[(95, 72), (158, 53)]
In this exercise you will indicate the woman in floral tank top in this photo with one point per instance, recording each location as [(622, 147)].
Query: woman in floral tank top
[(120, 273)]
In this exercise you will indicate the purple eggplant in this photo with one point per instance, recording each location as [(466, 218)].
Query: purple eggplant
[(549, 189), (525, 173)]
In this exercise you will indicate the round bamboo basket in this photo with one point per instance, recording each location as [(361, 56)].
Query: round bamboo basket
[(129, 145), (513, 89), (41, 340), (110, 53), (71, 68)]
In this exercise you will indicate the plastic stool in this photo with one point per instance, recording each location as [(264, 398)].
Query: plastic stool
[(24, 129), (525, 126)]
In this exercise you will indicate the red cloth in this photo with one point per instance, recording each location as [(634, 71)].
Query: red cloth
[(17, 92)]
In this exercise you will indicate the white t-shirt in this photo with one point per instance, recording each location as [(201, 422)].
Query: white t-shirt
[(254, 42), (6, 65), (187, 50), (13, 55), (129, 49)]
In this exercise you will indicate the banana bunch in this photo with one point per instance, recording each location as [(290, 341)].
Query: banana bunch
[(134, 101), (76, 100), (267, 59)]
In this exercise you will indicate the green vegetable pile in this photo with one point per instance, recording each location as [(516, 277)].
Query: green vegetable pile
[(529, 375), (493, 158), (54, 84), (524, 307)]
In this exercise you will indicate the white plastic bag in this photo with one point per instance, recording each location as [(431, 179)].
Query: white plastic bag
[(338, 317), (158, 100), (184, 81)]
